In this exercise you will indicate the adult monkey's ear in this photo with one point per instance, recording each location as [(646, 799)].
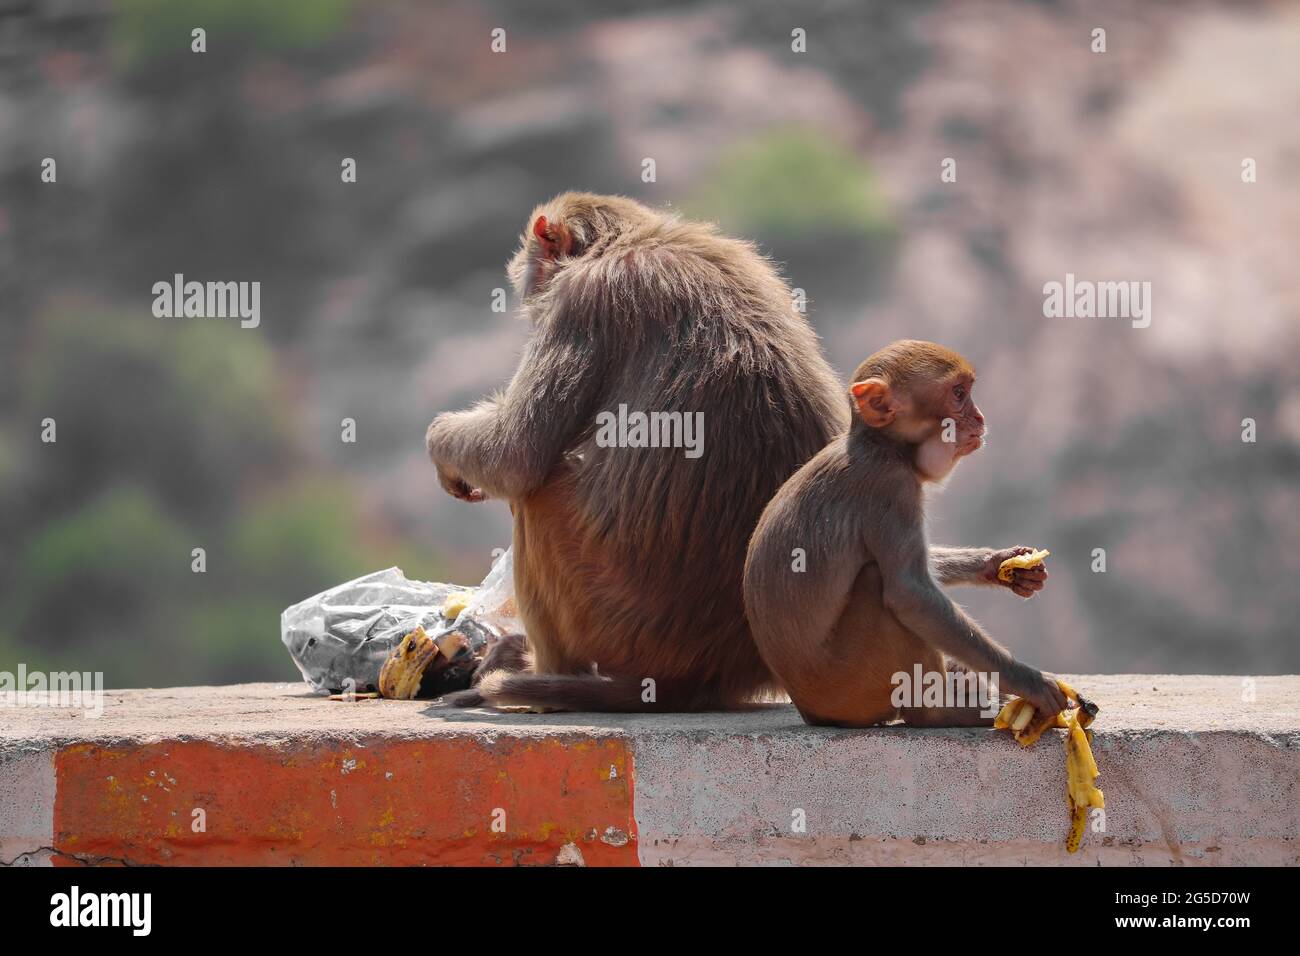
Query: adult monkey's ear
[(875, 402), (553, 238)]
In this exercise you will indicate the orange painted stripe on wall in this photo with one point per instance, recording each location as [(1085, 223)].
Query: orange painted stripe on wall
[(408, 802)]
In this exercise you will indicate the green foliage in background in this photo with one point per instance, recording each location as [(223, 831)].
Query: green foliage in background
[(792, 183), (102, 555), (307, 536), (184, 407), (144, 29), (172, 435)]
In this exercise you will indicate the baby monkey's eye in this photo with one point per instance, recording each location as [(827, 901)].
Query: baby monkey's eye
[(959, 392)]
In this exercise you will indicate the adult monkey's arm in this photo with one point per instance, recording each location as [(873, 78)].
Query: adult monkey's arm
[(506, 446)]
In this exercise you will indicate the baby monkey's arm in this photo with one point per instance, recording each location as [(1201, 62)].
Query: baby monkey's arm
[(980, 566), (959, 565)]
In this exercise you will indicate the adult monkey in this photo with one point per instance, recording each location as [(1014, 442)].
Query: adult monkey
[(628, 560), (868, 605)]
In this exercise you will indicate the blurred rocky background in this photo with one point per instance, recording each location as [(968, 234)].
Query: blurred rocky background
[(174, 434)]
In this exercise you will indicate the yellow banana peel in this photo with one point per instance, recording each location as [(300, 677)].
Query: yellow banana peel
[(399, 678), (1018, 716)]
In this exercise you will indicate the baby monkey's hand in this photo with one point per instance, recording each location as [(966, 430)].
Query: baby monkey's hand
[(1039, 688), (1025, 582)]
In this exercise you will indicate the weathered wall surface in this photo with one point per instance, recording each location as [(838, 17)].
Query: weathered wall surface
[(1196, 770)]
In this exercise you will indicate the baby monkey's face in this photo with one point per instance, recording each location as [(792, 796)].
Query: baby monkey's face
[(948, 426), (924, 400)]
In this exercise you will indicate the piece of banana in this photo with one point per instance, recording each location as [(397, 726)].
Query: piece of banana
[(1023, 716), (1041, 722), (1031, 560), (456, 602), (1019, 716), (1008, 712)]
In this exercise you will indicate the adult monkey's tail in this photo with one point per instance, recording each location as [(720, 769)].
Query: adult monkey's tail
[(582, 692), (505, 680)]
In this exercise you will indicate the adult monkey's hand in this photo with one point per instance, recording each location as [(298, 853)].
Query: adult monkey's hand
[(458, 487)]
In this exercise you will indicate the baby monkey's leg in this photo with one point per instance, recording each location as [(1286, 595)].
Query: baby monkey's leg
[(865, 672), (969, 701)]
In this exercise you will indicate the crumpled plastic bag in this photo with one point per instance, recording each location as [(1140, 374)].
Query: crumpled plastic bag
[(340, 638)]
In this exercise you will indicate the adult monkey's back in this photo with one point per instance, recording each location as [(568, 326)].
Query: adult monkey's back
[(629, 560)]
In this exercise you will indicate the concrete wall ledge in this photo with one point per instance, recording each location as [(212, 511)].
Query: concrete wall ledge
[(1196, 770)]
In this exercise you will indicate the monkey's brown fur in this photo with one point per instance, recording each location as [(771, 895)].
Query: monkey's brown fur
[(867, 605), (628, 561)]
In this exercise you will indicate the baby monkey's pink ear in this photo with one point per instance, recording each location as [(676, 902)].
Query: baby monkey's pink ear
[(554, 239), (875, 402)]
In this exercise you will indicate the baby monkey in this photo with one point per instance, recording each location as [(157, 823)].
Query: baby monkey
[(842, 591)]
